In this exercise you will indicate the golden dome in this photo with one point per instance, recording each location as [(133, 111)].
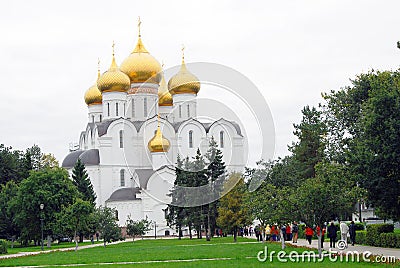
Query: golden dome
[(184, 82), (158, 143), (140, 66), (93, 95), (164, 97), (113, 79)]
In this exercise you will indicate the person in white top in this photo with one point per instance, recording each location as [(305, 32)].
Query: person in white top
[(344, 229)]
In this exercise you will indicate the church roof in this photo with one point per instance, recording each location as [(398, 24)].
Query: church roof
[(88, 157), (124, 194), (144, 176)]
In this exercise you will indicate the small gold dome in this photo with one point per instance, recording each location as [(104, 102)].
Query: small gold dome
[(158, 143), (140, 66), (184, 82), (93, 96), (113, 79), (164, 97)]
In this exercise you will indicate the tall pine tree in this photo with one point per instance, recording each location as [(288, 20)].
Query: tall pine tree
[(81, 180)]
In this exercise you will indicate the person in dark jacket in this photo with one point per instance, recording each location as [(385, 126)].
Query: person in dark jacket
[(352, 232), (332, 235)]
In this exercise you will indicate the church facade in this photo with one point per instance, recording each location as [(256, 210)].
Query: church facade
[(137, 126)]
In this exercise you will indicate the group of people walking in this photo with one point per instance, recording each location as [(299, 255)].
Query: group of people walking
[(290, 232)]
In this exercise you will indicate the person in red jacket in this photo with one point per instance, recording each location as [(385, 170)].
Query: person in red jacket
[(288, 232), (309, 234), (318, 229)]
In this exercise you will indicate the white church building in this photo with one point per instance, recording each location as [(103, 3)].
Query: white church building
[(137, 126)]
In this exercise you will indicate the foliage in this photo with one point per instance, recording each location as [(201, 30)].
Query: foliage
[(135, 228), (3, 247), (74, 220), (107, 224), (81, 180), (8, 229), (364, 125), (51, 187), (232, 213)]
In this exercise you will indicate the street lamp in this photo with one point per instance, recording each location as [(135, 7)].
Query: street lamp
[(41, 222), (155, 230)]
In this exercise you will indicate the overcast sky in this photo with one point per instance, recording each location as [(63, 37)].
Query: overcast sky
[(291, 50)]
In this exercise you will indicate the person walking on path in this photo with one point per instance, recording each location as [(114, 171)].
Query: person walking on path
[(352, 232), (332, 235), (322, 234), (288, 233), (295, 232), (309, 234), (344, 229)]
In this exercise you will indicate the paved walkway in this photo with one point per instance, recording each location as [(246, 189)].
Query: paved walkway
[(359, 248)]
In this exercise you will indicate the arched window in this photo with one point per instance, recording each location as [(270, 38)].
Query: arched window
[(122, 177), (180, 111), (188, 110), (221, 139), (116, 215), (121, 139), (190, 139), (108, 109), (92, 118), (124, 108), (145, 107), (116, 109), (101, 118)]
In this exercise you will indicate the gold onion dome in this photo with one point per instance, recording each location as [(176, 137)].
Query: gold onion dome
[(140, 66), (93, 95), (184, 81), (164, 97), (113, 80), (158, 143)]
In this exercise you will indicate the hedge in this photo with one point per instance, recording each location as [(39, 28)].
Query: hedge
[(3, 247), (374, 232)]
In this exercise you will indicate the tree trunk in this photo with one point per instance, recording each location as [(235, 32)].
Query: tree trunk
[(76, 241), (234, 234), (208, 227), (190, 231), (49, 241), (179, 232), (282, 240), (319, 245)]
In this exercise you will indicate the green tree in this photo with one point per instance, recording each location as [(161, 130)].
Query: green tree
[(107, 224), (134, 228), (231, 212), (364, 129), (48, 161), (81, 180), (75, 219), (8, 228), (51, 187), (324, 197), (11, 165), (216, 172)]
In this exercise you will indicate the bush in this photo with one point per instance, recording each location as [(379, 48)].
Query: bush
[(359, 226), (361, 237), (374, 232), (3, 247)]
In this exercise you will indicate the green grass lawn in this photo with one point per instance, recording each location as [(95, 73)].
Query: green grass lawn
[(157, 252), (17, 248)]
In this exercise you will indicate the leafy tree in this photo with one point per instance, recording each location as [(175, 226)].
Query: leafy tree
[(34, 154), (81, 180), (324, 197), (364, 123), (51, 187), (231, 212), (11, 165), (134, 228), (8, 228), (107, 224), (48, 161), (75, 219)]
